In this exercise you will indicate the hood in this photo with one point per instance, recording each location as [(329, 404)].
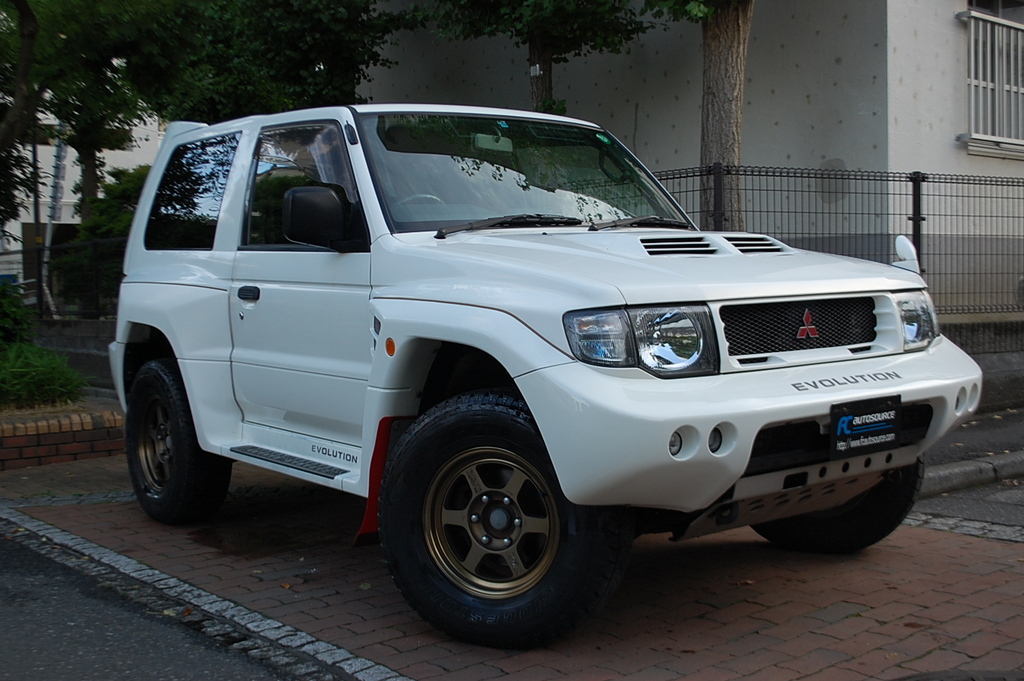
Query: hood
[(655, 266), (537, 275)]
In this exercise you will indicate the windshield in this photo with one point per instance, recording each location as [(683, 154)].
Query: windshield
[(436, 171)]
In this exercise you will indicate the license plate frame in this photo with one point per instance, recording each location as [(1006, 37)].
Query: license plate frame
[(864, 427)]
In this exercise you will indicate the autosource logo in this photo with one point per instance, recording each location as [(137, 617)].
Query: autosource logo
[(866, 426)]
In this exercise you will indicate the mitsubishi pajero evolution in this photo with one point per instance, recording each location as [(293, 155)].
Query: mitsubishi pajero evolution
[(504, 333)]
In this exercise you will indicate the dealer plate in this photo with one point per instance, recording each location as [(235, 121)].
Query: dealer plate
[(865, 427)]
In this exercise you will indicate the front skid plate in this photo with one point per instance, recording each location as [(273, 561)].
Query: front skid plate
[(797, 501)]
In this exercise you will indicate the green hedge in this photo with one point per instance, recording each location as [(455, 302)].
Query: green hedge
[(30, 376)]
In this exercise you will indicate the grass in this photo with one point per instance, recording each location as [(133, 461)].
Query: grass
[(32, 376)]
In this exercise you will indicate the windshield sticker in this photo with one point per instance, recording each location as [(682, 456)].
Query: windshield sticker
[(604, 138), (503, 124)]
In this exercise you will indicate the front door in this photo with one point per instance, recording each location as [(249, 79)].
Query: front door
[(300, 314)]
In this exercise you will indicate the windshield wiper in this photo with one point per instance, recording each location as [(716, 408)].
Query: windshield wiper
[(644, 221), (522, 220)]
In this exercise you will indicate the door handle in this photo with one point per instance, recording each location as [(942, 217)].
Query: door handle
[(249, 293)]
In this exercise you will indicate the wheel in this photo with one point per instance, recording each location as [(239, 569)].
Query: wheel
[(174, 480), (478, 535), (859, 523)]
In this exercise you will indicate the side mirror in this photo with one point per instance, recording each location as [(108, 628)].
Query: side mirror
[(907, 255), (316, 216)]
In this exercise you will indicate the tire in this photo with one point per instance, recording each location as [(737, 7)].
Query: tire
[(478, 536), (174, 480), (861, 522)]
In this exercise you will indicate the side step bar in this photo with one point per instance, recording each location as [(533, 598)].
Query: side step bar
[(282, 459)]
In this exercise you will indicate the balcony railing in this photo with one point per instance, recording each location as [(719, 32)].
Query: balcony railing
[(995, 80)]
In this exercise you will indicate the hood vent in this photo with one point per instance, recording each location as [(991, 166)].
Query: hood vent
[(746, 243), (679, 245)]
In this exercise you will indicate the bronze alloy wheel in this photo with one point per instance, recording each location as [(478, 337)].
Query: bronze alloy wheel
[(480, 538), (491, 523), (155, 446), (174, 480)]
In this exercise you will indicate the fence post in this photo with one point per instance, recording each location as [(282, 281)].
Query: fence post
[(718, 194), (95, 249), (40, 303), (916, 217)]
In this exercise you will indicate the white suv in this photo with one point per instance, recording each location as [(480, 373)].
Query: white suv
[(501, 330)]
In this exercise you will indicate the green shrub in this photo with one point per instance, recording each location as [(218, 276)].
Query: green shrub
[(16, 320), (32, 376)]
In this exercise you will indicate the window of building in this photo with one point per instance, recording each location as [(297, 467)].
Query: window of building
[(995, 78), (1012, 10), (187, 203)]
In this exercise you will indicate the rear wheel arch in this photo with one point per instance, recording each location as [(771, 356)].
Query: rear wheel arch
[(144, 344)]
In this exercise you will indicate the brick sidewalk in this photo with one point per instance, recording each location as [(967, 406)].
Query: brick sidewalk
[(727, 606)]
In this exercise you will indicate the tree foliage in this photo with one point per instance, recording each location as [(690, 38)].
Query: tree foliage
[(265, 56), (92, 66), (101, 66), (552, 30), (79, 271)]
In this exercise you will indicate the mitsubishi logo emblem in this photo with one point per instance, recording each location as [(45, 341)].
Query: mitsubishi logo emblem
[(808, 330)]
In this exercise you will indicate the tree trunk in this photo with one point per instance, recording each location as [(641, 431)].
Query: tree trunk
[(21, 112), (89, 184), (541, 88), (725, 35)]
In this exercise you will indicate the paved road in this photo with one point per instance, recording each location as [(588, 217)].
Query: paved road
[(984, 435), (1001, 503), (62, 625)]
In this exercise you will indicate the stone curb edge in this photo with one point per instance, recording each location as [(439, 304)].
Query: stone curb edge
[(284, 647), (951, 477)]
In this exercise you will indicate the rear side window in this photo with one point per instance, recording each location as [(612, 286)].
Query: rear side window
[(187, 203)]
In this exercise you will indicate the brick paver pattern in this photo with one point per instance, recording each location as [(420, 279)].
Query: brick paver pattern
[(728, 606)]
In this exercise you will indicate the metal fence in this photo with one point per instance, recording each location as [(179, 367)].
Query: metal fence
[(80, 279), (969, 230)]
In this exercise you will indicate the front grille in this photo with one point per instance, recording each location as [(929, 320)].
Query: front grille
[(799, 325)]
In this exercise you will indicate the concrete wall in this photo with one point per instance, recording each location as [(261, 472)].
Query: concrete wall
[(815, 85), (84, 342), (927, 91), (858, 84)]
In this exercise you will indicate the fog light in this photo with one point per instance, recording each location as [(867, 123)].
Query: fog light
[(675, 444), (715, 440)]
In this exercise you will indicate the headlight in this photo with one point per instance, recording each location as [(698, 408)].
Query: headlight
[(667, 341), (675, 341), (917, 316)]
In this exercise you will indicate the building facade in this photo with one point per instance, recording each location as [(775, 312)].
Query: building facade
[(857, 84)]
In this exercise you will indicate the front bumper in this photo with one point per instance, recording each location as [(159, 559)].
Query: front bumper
[(608, 431)]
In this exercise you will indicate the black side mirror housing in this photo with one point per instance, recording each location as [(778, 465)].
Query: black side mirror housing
[(316, 216)]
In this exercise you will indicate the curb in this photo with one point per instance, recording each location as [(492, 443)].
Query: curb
[(950, 477), (301, 656)]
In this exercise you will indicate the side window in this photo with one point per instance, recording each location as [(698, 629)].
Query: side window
[(306, 155), (187, 202)]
